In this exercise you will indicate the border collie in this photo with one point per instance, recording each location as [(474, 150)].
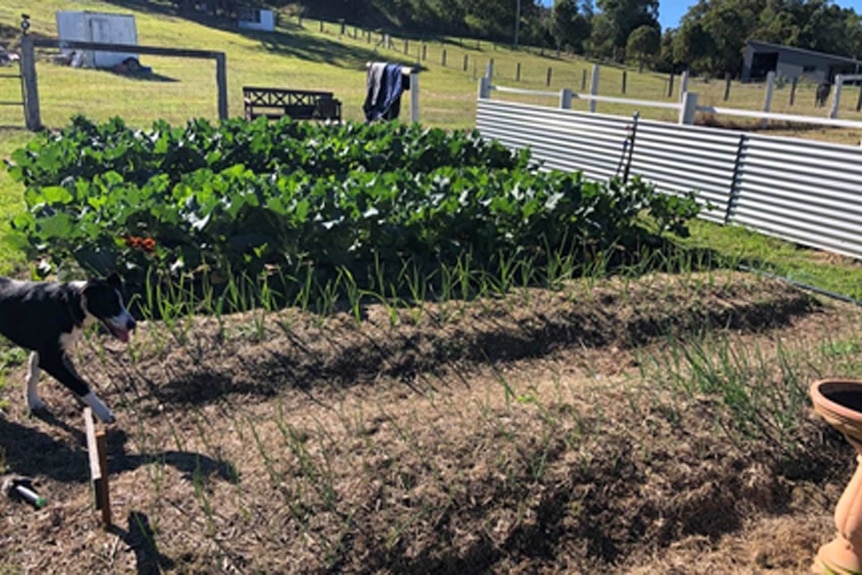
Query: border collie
[(47, 318)]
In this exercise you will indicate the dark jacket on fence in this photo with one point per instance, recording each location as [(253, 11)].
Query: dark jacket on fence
[(385, 84)]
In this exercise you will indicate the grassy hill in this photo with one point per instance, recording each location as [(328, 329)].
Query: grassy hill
[(318, 56)]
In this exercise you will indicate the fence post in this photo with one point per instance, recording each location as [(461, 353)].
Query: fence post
[(221, 81), (624, 81), (836, 99), (32, 119), (584, 80), (859, 100), (594, 88), (683, 84), (793, 91), (414, 96), (733, 197), (489, 70), (406, 45), (548, 78), (518, 72), (767, 101), (466, 58), (443, 58), (727, 78), (670, 85), (688, 108), (566, 99), (484, 88)]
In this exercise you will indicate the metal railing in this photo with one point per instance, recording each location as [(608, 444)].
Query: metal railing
[(801, 191)]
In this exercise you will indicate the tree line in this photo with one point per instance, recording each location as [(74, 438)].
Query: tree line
[(710, 38)]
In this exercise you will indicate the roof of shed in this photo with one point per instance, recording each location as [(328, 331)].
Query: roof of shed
[(756, 44)]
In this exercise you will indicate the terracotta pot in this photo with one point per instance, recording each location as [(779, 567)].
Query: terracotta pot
[(839, 402)]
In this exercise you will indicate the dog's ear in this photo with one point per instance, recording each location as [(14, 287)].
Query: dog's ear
[(114, 280)]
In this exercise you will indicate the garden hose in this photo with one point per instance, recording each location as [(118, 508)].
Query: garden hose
[(801, 285)]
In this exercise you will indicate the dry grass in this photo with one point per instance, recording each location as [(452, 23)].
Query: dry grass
[(521, 435)]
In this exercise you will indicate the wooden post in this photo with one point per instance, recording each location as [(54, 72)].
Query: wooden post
[(32, 119), (624, 81), (321, 25), (836, 98), (443, 58), (406, 45), (793, 91), (221, 82), (414, 96), (670, 86), (97, 450), (584, 80), (727, 85), (767, 100), (683, 84), (484, 88), (518, 72), (424, 51), (594, 88), (548, 78), (566, 98), (859, 100), (466, 58), (688, 109)]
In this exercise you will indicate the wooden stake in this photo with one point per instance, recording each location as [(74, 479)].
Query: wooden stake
[(97, 448)]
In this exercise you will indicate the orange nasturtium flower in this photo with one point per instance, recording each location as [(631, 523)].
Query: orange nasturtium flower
[(139, 243)]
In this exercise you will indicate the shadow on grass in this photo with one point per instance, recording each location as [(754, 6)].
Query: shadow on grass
[(142, 76), (141, 538), (32, 453), (285, 42)]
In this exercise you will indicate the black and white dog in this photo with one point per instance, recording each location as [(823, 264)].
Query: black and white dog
[(47, 318)]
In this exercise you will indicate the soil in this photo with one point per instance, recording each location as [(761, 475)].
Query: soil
[(529, 434)]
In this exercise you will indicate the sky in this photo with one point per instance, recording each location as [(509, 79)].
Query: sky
[(671, 11)]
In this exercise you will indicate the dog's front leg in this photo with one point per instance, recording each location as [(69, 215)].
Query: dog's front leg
[(57, 364), (31, 393)]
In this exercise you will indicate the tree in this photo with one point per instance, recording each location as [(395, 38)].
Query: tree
[(568, 27), (624, 16), (694, 48), (601, 43), (643, 44), (666, 62)]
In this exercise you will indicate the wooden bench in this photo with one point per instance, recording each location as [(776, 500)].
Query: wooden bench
[(274, 103)]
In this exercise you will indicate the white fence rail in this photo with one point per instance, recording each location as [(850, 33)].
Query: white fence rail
[(687, 105), (802, 191)]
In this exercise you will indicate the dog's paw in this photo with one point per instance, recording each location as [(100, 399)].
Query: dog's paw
[(100, 410)]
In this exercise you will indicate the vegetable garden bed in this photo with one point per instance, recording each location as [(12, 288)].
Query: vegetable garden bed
[(353, 206)]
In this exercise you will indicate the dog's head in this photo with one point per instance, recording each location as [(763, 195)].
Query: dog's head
[(102, 298)]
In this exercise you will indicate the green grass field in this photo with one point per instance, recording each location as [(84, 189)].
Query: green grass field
[(317, 56)]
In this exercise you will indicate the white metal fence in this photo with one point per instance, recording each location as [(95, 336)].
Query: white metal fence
[(802, 191)]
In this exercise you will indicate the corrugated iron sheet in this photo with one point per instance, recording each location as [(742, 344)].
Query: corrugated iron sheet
[(802, 191)]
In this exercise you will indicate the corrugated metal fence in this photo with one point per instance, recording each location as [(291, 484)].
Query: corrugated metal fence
[(802, 191)]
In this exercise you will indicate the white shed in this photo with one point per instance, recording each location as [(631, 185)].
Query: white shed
[(103, 27), (251, 18)]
